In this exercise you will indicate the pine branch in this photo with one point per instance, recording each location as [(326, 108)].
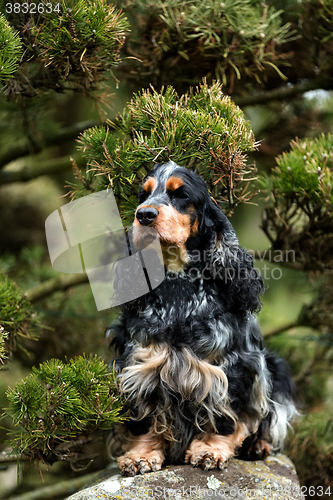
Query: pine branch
[(65, 134), (59, 407), (286, 92), (70, 49), (62, 282), (202, 129), (34, 170), (297, 211), (231, 41), (10, 49), (60, 489)]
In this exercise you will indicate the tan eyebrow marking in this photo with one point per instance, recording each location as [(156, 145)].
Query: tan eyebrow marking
[(174, 183), (149, 185)]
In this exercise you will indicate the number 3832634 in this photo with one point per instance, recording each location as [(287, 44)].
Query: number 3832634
[(32, 8)]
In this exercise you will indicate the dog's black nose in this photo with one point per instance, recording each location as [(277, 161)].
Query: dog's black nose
[(146, 215)]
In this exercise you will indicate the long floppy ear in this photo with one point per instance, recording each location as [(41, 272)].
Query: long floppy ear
[(230, 263), (213, 217)]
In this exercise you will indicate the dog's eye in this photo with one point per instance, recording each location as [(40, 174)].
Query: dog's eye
[(143, 195), (179, 194)]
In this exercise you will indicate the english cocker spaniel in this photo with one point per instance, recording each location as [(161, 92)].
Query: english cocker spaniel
[(199, 384)]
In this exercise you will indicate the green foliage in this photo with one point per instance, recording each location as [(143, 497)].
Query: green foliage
[(87, 34), (72, 48), (202, 129), (311, 449), (306, 172), (59, 401), (17, 317), (298, 208), (10, 49), (225, 40)]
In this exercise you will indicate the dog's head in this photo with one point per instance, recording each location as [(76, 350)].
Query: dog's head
[(175, 203)]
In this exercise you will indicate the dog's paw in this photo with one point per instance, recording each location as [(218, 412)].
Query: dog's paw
[(259, 450), (207, 459), (206, 456), (132, 464)]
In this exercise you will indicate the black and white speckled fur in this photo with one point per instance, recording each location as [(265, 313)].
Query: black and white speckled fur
[(209, 370)]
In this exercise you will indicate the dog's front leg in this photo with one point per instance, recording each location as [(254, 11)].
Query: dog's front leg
[(146, 454), (211, 451)]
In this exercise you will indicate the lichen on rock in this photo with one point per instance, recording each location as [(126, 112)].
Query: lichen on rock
[(274, 478)]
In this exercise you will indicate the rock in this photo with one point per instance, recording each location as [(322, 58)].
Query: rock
[(273, 478)]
